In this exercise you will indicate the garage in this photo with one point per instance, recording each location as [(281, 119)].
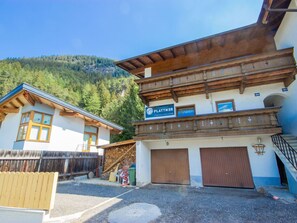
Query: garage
[(226, 167), (170, 166)]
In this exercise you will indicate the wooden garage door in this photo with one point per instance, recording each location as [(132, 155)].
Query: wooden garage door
[(170, 166), (226, 167)]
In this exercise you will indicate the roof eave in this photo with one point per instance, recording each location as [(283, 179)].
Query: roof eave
[(30, 89)]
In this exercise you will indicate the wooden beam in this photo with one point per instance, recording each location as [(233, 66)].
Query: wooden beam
[(9, 110), (160, 55), (174, 96), (37, 99), (139, 61), (150, 58), (129, 62), (242, 87), (29, 98), (98, 124), (20, 102), (13, 105), (135, 65), (172, 53), (144, 100), (289, 79), (71, 114), (2, 116)]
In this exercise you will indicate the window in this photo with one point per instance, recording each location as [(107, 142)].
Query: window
[(23, 129), (90, 137), (35, 126), (225, 106), (185, 111)]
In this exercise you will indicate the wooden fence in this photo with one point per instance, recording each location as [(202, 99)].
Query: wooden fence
[(28, 190), (67, 164)]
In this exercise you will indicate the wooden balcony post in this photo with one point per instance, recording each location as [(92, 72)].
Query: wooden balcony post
[(171, 82), (140, 87), (230, 123), (273, 119), (195, 125), (164, 127), (136, 130)]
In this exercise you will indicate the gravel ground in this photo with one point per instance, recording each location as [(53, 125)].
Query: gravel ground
[(184, 204), (75, 197)]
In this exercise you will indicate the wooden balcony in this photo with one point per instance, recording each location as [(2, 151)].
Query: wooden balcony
[(239, 73), (248, 122)]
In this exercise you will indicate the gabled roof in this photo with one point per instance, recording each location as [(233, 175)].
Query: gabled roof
[(25, 93)]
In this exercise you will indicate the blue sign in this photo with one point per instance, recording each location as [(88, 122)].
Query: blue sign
[(284, 89), (159, 111), (257, 94)]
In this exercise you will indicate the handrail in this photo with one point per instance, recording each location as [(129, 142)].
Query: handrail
[(287, 150)]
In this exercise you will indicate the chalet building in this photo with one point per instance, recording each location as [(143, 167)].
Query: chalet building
[(213, 113), (34, 120)]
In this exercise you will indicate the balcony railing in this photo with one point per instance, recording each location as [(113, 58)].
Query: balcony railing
[(257, 121), (238, 73)]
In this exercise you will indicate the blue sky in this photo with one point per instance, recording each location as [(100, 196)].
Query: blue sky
[(116, 29)]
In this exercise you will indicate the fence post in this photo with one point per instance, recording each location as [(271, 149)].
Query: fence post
[(40, 160), (66, 163)]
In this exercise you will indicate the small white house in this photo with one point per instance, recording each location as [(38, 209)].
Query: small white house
[(31, 119)]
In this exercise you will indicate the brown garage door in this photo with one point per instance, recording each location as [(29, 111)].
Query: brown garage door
[(226, 167), (170, 166)]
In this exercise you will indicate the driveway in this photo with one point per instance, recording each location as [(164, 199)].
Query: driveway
[(182, 204)]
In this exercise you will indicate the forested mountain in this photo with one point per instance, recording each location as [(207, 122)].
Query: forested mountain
[(90, 82)]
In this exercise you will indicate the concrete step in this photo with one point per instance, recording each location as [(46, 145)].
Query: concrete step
[(289, 137)]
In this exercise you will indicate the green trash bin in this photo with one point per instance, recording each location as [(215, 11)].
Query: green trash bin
[(132, 176)]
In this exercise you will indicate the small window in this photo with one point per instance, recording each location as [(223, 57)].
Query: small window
[(25, 118), (37, 117), (35, 126), (185, 111), (91, 129), (22, 132), (34, 132), (47, 119), (225, 106)]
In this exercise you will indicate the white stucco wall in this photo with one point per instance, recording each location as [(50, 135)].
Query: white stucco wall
[(143, 164), (244, 101), (285, 37), (9, 130), (67, 133), (103, 136), (264, 168)]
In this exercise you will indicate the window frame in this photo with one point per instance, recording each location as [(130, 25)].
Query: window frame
[(40, 125), (185, 106), (224, 101), (91, 134)]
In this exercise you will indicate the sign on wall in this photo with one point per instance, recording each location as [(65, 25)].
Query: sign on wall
[(159, 111)]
